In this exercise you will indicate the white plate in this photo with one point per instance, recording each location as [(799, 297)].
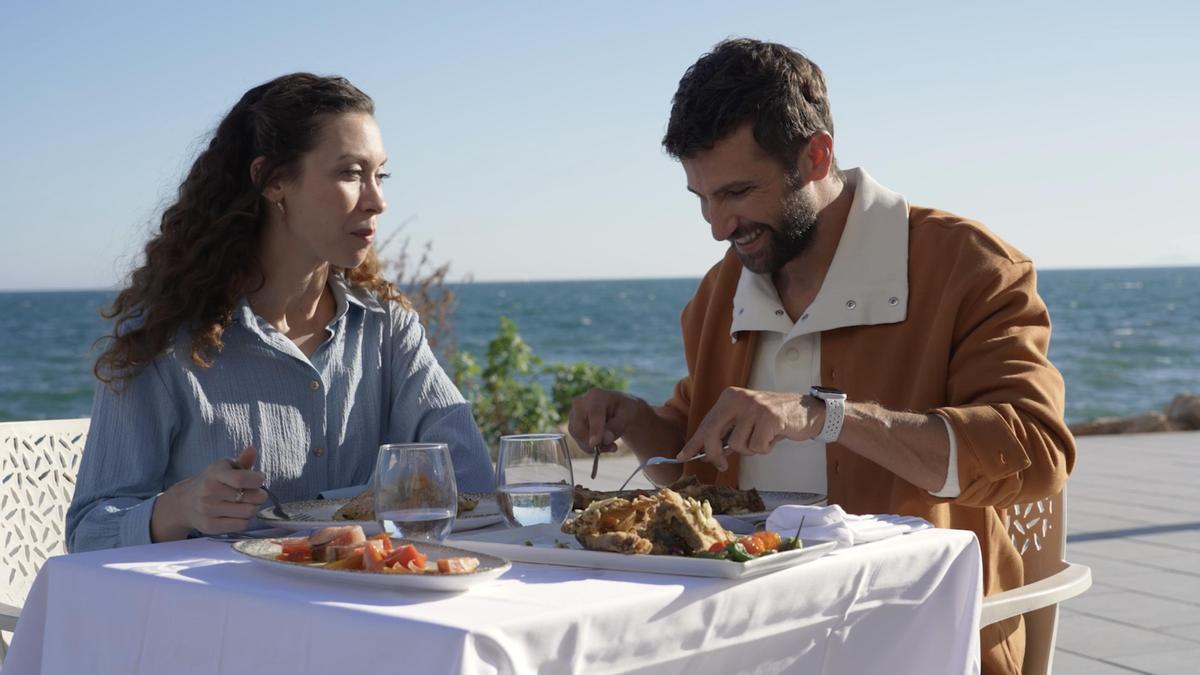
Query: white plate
[(547, 544), (264, 551), (321, 511), (774, 500)]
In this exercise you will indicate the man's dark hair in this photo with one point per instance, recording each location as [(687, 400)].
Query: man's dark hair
[(743, 80)]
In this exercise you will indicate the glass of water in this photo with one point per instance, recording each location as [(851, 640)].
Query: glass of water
[(415, 493), (534, 481)]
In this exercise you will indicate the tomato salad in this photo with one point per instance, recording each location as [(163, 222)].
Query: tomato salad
[(757, 545), (346, 548)]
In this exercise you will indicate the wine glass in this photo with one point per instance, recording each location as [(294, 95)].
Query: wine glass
[(416, 496), (534, 480)]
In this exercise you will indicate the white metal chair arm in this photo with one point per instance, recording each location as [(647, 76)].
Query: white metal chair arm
[(1068, 583)]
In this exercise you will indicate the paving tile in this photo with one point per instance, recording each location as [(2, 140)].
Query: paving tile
[(1102, 639), (1189, 631), (1080, 522), (1106, 568), (1186, 539), (1067, 663), (1182, 587), (1168, 511), (1136, 609), (1167, 662), (1127, 549)]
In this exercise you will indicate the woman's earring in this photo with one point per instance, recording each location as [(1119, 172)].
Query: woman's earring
[(279, 205)]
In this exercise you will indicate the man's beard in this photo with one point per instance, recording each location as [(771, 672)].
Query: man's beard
[(787, 241)]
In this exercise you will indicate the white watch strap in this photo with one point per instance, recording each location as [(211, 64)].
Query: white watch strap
[(835, 410)]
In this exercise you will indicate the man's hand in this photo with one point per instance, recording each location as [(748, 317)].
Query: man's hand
[(222, 498), (601, 416), (751, 422)]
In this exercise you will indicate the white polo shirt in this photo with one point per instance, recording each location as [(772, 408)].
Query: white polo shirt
[(867, 284)]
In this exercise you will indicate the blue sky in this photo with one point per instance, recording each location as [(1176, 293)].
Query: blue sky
[(524, 137)]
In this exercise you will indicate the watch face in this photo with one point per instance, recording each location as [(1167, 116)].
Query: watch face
[(827, 392)]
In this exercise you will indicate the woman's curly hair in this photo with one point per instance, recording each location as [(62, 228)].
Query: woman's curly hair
[(204, 258)]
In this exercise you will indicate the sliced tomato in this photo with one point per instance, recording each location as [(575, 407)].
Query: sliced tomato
[(717, 547), (295, 549), (385, 538), (753, 545), (770, 540), (373, 555), (460, 565), (403, 555)]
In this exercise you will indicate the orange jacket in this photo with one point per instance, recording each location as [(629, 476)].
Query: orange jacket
[(972, 349)]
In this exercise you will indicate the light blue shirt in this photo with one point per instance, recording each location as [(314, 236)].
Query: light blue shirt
[(317, 421)]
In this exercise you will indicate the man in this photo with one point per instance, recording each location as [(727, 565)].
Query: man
[(930, 325)]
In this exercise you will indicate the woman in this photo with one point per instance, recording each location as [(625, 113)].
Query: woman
[(259, 343)]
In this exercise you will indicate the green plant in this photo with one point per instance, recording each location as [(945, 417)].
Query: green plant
[(506, 394), (423, 282)]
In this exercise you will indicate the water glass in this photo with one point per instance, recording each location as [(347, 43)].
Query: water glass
[(534, 480), (416, 496)]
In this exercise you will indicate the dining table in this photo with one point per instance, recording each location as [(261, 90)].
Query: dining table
[(908, 604)]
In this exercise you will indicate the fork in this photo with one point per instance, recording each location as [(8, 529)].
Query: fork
[(277, 508), (653, 461), (276, 505)]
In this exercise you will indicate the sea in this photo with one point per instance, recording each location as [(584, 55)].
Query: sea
[(1126, 340)]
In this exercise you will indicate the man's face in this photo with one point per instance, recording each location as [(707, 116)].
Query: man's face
[(751, 201)]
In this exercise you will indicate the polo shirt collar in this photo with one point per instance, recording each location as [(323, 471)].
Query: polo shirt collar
[(867, 281)]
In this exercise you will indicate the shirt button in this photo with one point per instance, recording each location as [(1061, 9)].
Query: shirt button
[(804, 317), (779, 312), (318, 451), (850, 304), (314, 385), (893, 301)]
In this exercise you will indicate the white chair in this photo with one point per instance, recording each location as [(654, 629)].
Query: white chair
[(38, 463), (1039, 531)]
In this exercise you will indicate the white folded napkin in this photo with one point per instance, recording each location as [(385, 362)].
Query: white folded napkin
[(831, 523)]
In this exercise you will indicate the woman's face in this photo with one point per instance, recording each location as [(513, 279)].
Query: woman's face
[(330, 207)]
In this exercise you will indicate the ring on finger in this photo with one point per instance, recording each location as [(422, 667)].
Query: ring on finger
[(239, 496)]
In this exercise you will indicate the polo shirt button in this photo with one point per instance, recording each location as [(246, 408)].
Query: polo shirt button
[(893, 301), (314, 385), (779, 312), (850, 304), (804, 316), (318, 451)]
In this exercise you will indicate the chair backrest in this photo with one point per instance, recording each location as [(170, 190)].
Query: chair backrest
[(1039, 531), (38, 463)]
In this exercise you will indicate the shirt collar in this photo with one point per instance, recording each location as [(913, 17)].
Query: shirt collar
[(867, 281), (344, 296)]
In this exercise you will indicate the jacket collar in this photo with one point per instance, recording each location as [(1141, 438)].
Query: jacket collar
[(867, 281)]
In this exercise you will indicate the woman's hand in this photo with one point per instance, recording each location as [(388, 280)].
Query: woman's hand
[(222, 498)]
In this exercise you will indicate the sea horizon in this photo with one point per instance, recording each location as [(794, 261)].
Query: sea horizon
[(469, 280), (1127, 339)]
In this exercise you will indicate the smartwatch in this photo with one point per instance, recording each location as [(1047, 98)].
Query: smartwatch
[(835, 410)]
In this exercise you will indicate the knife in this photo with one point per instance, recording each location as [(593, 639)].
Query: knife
[(595, 461)]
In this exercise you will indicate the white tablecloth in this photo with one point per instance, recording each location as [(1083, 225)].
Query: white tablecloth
[(905, 605)]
